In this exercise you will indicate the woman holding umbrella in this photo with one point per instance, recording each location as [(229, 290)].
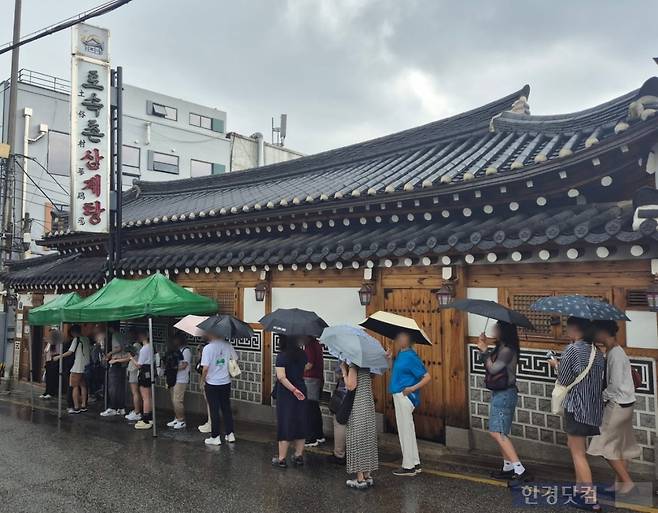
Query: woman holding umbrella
[(500, 378), (290, 390), (290, 394)]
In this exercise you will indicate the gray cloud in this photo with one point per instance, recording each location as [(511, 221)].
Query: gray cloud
[(348, 70)]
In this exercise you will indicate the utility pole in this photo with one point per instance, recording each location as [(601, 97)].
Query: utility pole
[(8, 186)]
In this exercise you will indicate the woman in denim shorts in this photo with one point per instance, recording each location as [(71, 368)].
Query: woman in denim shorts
[(500, 378)]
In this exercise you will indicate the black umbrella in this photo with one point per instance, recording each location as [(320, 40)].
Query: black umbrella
[(226, 326), (294, 322), (492, 310)]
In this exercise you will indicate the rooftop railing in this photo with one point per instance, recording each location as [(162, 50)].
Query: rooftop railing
[(36, 78)]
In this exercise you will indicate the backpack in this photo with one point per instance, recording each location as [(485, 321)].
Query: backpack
[(172, 360)]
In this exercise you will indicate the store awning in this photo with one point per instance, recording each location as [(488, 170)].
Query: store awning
[(131, 299), (52, 312)]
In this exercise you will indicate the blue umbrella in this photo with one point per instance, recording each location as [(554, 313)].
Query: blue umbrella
[(354, 346), (579, 306)]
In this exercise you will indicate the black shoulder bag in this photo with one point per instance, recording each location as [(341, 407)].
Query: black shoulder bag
[(345, 408)]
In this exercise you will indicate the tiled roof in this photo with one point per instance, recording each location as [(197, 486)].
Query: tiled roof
[(406, 241), (491, 140)]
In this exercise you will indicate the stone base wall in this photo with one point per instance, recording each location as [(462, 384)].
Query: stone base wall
[(533, 420)]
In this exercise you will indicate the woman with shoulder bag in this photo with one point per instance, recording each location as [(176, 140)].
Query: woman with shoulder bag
[(500, 378), (582, 370)]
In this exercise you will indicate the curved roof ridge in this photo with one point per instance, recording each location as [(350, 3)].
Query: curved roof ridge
[(459, 124), (603, 113)]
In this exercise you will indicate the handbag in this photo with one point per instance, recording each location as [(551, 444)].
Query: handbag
[(560, 391), (499, 380), (345, 409), (233, 368), (313, 388), (336, 400)]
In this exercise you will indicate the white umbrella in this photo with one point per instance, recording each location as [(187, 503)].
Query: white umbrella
[(189, 324)]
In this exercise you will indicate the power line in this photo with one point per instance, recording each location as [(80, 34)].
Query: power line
[(37, 186), (34, 159), (64, 24)]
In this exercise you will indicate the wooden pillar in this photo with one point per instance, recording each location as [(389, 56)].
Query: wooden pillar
[(455, 372), (266, 374)]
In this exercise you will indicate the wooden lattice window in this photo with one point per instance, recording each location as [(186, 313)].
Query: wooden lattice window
[(226, 299), (541, 321), (636, 299)]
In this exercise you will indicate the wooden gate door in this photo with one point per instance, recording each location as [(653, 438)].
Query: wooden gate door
[(421, 305)]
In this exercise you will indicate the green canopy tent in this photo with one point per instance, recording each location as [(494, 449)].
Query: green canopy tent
[(154, 296), (51, 313)]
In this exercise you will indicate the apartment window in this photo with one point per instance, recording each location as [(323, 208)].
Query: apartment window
[(163, 162), (200, 168), (201, 121), (162, 111), (130, 156), (59, 153)]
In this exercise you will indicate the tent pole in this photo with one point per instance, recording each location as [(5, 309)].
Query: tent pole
[(29, 348), (61, 370), (107, 365), (155, 431)]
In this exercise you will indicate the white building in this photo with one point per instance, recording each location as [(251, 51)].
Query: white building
[(164, 138)]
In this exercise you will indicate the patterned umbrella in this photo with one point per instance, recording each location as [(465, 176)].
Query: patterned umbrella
[(579, 306)]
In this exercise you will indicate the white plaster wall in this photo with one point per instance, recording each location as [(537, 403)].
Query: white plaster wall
[(253, 310), (642, 331), (476, 323), (335, 305)]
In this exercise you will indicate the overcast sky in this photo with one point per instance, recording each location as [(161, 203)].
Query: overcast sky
[(349, 70)]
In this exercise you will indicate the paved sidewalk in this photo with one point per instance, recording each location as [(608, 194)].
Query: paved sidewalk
[(437, 460)]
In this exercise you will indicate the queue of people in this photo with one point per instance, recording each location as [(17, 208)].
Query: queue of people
[(598, 403), (599, 394)]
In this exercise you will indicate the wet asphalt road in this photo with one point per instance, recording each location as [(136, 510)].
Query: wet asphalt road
[(86, 464)]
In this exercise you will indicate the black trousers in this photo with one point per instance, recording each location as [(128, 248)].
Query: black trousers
[(52, 378), (314, 421), (116, 385), (219, 398)]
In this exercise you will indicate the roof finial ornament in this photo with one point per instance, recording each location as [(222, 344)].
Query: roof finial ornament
[(647, 101), (520, 106)]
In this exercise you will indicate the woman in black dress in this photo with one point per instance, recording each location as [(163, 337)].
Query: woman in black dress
[(290, 396)]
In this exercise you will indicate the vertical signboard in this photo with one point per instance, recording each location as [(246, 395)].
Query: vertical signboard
[(90, 130)]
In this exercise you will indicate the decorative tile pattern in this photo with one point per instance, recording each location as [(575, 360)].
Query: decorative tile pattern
[(533, 419)]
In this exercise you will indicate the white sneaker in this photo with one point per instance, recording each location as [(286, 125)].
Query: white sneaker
[(205, 428), (42, 396), (46, 396), (109, 413), (121, 411), (230, 438), (172, 423), (180, 424), (134, 417), (217, 440), (144, 425), (132, 412), (72, 410)]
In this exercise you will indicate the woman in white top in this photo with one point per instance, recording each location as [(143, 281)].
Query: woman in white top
[(214, 360), (616, 443), (143, 363)]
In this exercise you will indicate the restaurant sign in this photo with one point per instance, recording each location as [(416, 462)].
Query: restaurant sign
[(90, 130)]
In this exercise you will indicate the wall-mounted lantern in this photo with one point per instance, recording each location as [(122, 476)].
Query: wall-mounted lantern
[(365, 294), (445, 295), (261, 290), (652, 297)]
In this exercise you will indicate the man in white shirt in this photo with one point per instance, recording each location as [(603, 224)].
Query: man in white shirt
[(183, 358), (81, 348)]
